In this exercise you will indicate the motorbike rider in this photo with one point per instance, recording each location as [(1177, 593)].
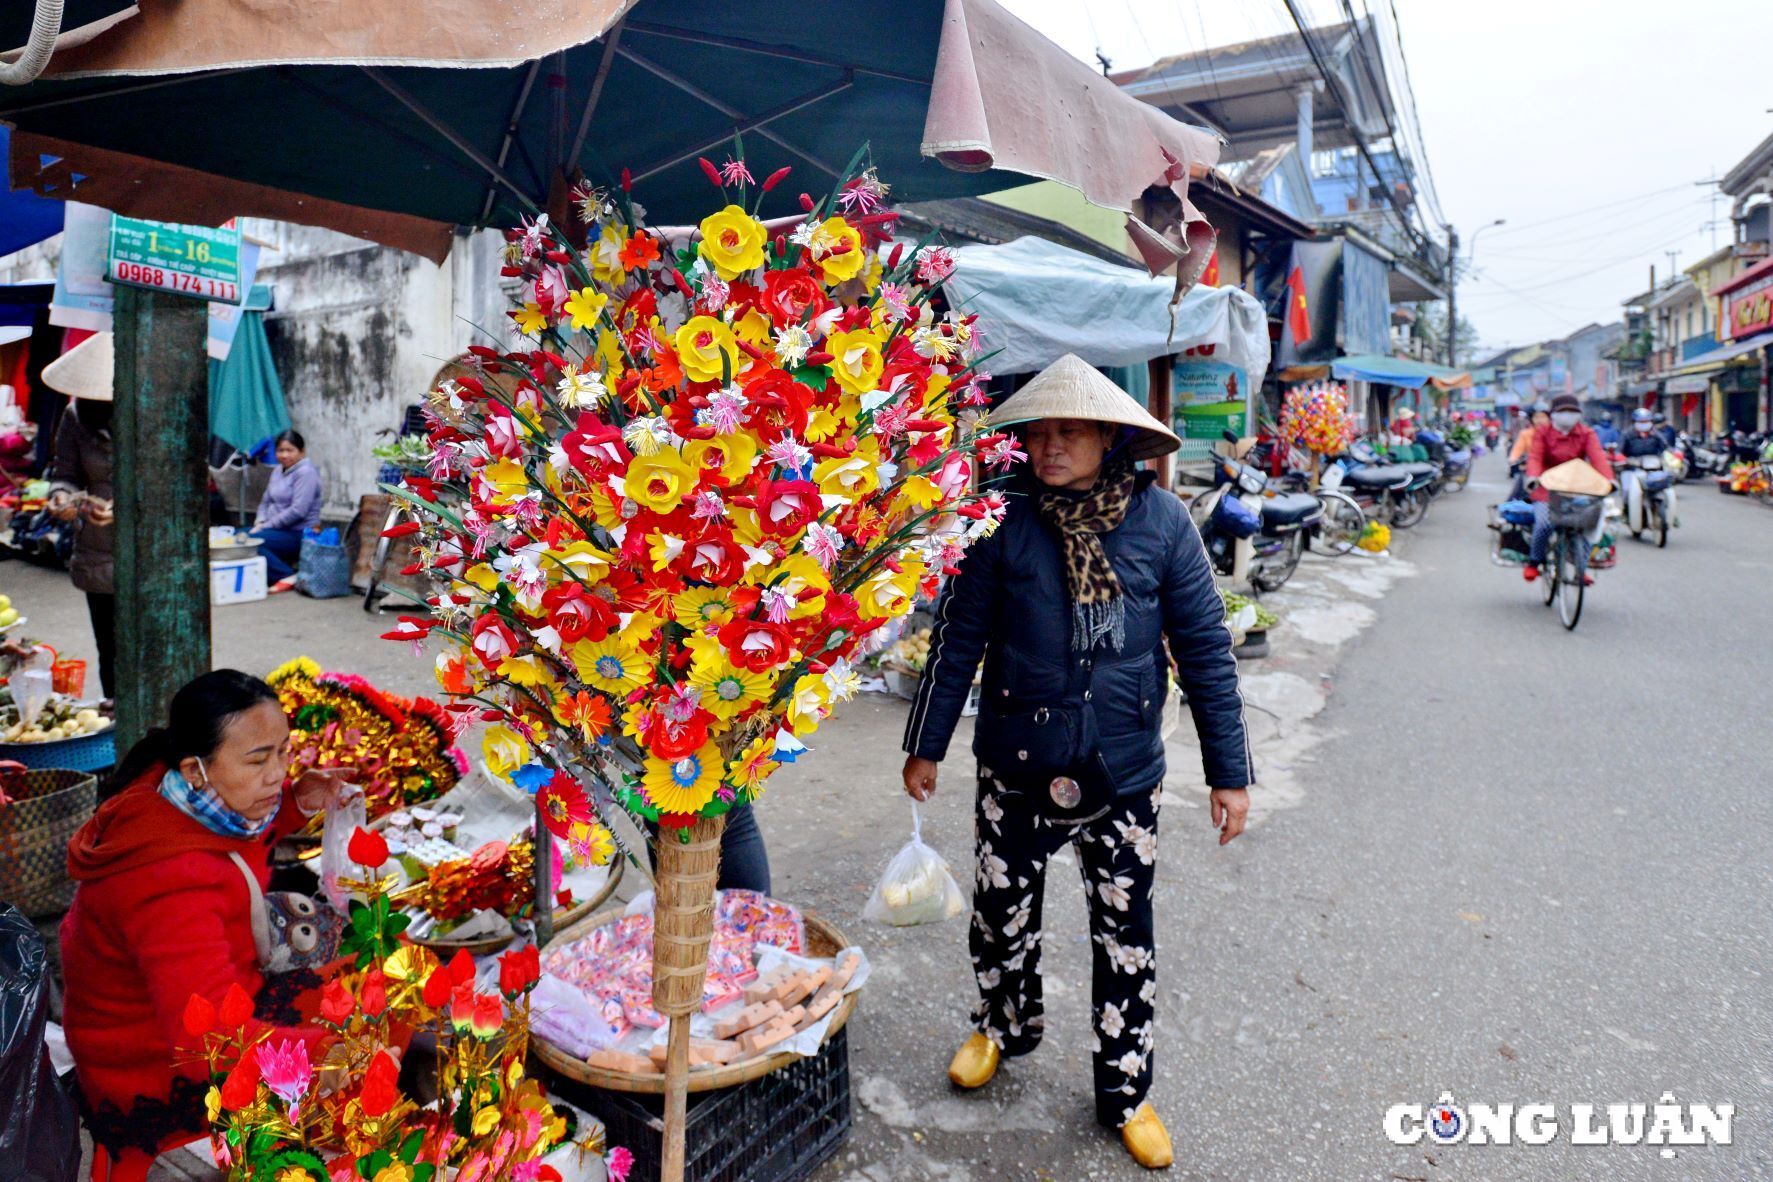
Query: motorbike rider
[(1567, 438), (1643, 441), (1665, 429)]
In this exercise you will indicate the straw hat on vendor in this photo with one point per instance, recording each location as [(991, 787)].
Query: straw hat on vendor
[(1070, 603)]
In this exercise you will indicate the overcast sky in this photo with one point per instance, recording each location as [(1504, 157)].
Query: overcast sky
[(1531, 110)]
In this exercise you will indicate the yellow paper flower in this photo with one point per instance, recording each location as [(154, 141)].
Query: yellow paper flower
[(806, 705), (685, 785), (730, 457), (212, 1104), (529, 318), (838, 235), (395, 1171), (755, 328), (485, 1121), (919, 492), (291, 1173), (847, 476), (610, 665), (888, 594), (605, 255), (526, 670), (754, 765), (707, 349), (664, 549), (508, 478), (583, 559), (856, 362), (592, 843), (794, 576), (504, 750), (481, 575), (701, 606), (585, 306), (727, 691), (660, 481), (732, 242)]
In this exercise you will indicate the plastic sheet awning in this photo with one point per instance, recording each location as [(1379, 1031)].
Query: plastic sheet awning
[(25, 218), (1398, 371), (1038, 300)]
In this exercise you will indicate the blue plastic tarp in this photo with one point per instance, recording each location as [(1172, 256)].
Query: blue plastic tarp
[(25, 218), (245, 398)]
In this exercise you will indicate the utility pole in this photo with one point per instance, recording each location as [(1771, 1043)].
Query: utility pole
[(1452, 295)]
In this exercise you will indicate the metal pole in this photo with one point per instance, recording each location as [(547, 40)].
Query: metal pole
[(160, 430), (1452, 296)]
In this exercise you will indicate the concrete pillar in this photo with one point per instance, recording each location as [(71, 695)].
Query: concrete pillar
[(1303, 98)]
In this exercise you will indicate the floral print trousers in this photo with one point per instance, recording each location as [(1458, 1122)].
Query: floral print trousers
[(1117, 854)]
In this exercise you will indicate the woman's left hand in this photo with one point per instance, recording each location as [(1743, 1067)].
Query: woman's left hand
[(1230, 807), (320, 788)]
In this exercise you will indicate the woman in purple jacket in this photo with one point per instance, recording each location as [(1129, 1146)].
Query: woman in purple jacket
[(290, 506)]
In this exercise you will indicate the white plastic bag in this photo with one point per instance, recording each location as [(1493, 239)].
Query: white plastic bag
[(916, 886), (342, 820)]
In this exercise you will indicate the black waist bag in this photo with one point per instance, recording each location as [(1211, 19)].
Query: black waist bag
[(1051, 759)]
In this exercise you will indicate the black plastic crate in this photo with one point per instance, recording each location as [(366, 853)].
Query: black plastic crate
[(775, 1129)]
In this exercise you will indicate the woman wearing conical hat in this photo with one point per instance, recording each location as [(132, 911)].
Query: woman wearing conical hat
[(1070, 604)]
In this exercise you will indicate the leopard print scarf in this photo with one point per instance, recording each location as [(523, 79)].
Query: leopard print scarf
[(1098, 611)]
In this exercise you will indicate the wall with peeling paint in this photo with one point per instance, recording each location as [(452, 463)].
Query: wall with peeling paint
[(357, 331)]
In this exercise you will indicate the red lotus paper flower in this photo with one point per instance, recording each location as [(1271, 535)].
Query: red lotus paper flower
[(489, 1015), (336, 1002), (519, 970), (379, 1085), (236, 1008), (200, 1016), (242, 1085), (373, 993), (367, 848), (563, 804), (437, 987)]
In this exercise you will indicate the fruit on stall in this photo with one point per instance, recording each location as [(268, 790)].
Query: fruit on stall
[(60, 719)]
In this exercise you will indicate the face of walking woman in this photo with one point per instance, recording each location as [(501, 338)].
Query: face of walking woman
[(1068, 453), (248, 766)]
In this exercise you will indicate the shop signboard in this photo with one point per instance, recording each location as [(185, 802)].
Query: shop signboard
[(1750, 309), (1197, 381), (196, 261)]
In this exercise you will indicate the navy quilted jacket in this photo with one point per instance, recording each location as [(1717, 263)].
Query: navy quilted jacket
[(1009, 605)]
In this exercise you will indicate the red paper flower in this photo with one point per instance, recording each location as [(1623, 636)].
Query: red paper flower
[(519, 970), (489, 1015), (785, 507), (242, 1085), (576, 615), (563, 804), (437, 987), (379, 1090), (336, 1002), (461, 1005), (367, 848), (373, 993), (493, 641), (200, 1016), (788, 294), (236, 1008), (757, 645)]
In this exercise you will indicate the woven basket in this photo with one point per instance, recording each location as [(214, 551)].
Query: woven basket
[(683, 915), (822, 940), (48, 806)]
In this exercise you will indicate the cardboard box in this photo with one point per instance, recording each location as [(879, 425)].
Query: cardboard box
[(238, 580)]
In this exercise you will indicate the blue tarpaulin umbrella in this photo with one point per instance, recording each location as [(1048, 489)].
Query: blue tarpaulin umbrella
[(245, 398)]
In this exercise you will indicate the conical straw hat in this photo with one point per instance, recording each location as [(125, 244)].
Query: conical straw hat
[(85, 370), (1072, 388), (1576, 478)]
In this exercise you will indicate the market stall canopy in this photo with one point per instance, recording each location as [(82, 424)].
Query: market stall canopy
[(1399, 371), (245, 398), (25, 218), (400, 121), (1041, 301)]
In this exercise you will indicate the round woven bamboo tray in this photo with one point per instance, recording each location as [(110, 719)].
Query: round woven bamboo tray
[(822, 940), (564, 917)]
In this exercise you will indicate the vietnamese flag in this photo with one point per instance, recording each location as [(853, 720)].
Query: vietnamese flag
[(1210, 276), (1297, 318)]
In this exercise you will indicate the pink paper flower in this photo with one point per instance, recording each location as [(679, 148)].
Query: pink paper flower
[(618, 1163), (283, 1067), (734, 172)]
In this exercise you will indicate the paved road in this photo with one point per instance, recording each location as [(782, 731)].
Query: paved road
[(1527, 866)]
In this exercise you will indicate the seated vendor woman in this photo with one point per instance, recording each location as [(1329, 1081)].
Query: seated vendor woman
[(170, 875), (291, 505)]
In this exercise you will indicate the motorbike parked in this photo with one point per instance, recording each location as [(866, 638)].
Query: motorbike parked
[(1252, 533), (1394, 493)]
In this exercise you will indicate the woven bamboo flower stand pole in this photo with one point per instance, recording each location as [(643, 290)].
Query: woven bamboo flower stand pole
[(683, 924)]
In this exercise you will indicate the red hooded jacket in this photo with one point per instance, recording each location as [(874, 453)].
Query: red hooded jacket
[(161, 913), (1551, 447)]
